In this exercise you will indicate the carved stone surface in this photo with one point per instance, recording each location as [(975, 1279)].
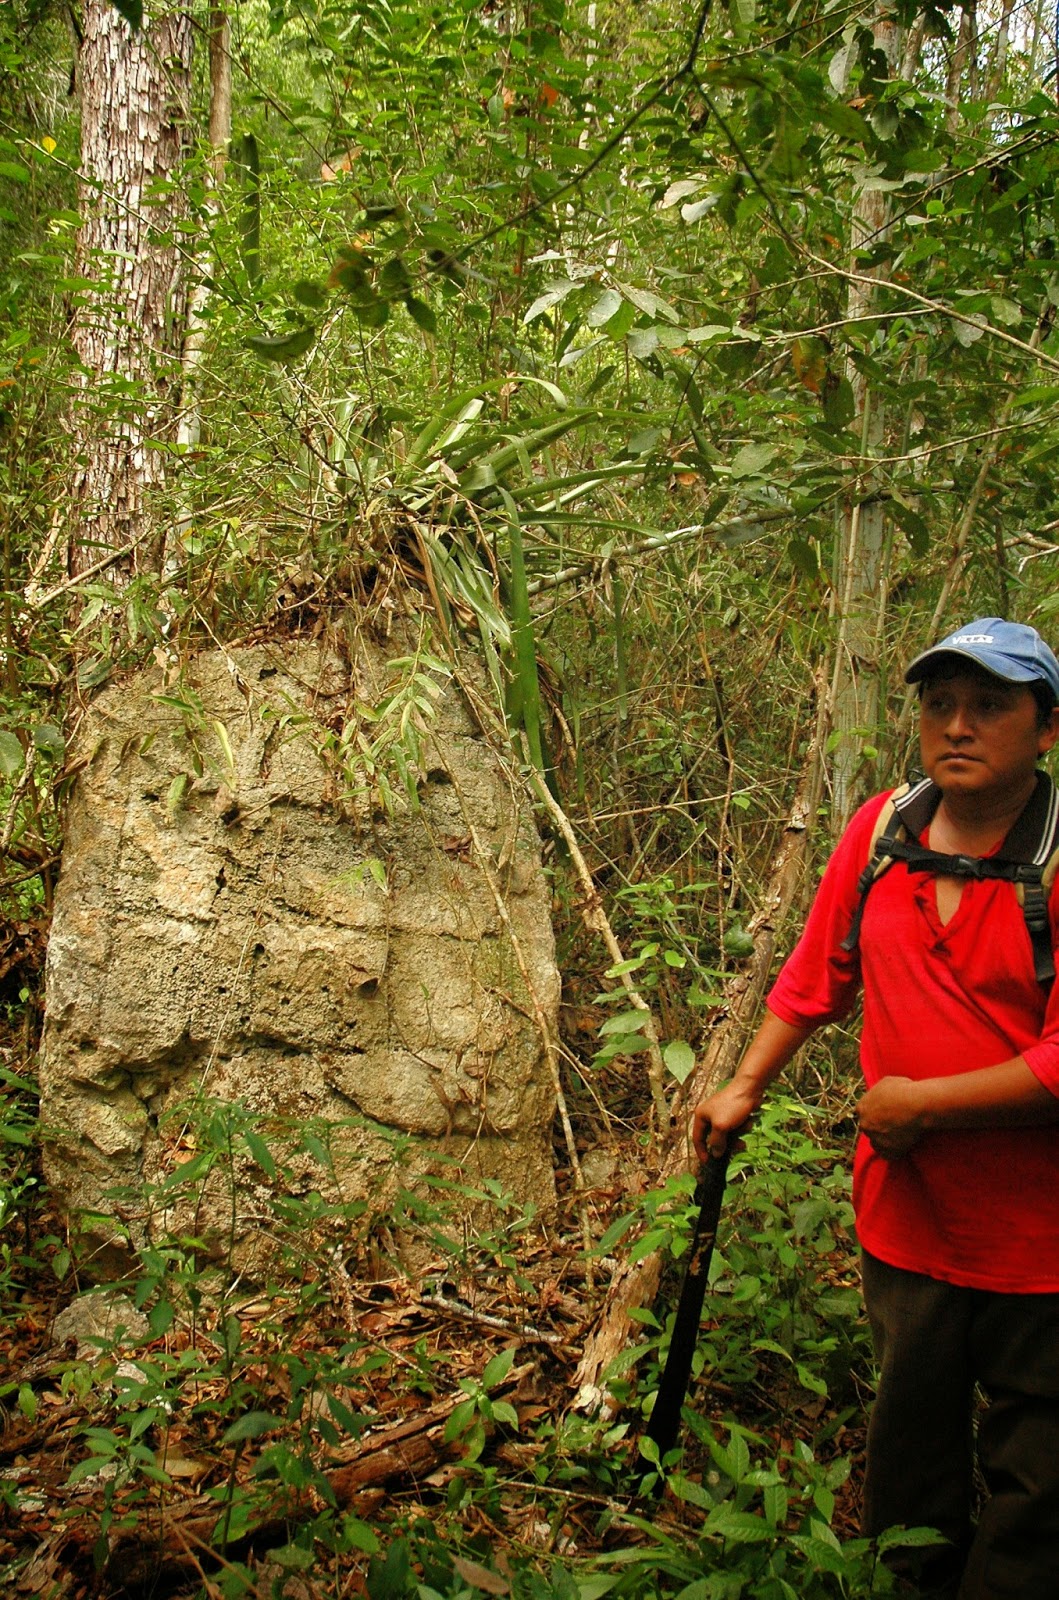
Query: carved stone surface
[(239, 918)]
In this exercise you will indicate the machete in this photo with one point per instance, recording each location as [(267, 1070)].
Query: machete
[(665, 1417)]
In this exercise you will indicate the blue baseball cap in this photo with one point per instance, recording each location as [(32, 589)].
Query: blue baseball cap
[(1009, 650)]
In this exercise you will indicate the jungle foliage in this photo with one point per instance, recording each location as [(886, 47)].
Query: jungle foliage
[(558, 327)]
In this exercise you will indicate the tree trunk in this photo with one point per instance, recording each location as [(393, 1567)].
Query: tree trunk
[(135, 94), (189, 425), (861, 545)]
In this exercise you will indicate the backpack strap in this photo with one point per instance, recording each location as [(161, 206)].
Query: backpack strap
[(1028, 859), (1034, 841), (890, 824)]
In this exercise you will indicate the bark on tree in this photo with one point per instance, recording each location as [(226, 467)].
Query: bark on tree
[(135, 94), (220, 136), (189, 424), (860, 548)]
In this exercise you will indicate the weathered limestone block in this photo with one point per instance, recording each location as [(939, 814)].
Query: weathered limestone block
[(240, 918)]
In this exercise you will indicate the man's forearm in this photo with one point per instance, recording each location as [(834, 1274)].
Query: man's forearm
[(1005, 1096), (896, 1112)]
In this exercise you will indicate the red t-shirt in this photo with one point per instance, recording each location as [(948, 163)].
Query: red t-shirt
[(979, 1208)]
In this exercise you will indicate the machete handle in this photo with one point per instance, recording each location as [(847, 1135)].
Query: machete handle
[(665, 1415)]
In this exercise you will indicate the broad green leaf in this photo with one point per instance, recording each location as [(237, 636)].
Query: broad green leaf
[(708, 333), (603, 309), (260, 1152), (625, 1022), (281, 346), (652, 305), (752, 459), (680, 191), (421, 314), (498, 1368), (970, 331), (738, 942), (252, 1425), (908, 1539), (643, 342), (839, 403), (551, 297), (11, 755), (738, 1527), (394, 280), (841, 63), (359, 1536), (679, 1058), (312, 295), (176, 794), (1005, 311)]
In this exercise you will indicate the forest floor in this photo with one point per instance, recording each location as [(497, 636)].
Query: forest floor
[(373, 1431)]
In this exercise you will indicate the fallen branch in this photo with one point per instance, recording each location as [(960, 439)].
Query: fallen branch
[(635, 1284)]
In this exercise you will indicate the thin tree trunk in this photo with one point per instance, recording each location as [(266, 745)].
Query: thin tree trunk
[(861, 545), (220, 137), (994, 76), (189, 425), (964, 63), (135, 95)]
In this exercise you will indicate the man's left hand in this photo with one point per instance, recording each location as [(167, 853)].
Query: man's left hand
[(890, 1116)]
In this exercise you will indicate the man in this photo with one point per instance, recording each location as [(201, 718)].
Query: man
[(956, 1175)]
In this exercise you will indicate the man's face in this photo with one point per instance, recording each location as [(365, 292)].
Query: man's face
[(981, 736)]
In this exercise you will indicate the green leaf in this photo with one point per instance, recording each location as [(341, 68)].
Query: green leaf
[(251, 1425), (421, 314), (551, 297), (312, 295), (394, 280), (49, 741), (752, 460), (839, 403), (359, 1536), (260, 1152), (738, 1527), (498, 1368), (601, 310), (738, 942), (651, 304), (1005, 311), (624, 1022), (281, 346), (909, 1539), (11, 756), (94, 671), (176, 794), (803, 557), (679, 1058)]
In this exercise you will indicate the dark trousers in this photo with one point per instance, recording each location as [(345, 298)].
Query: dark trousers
[(935, 1342)]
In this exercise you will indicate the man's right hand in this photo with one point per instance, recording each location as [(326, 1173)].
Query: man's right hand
[(721, 1117), (725, 1113)]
